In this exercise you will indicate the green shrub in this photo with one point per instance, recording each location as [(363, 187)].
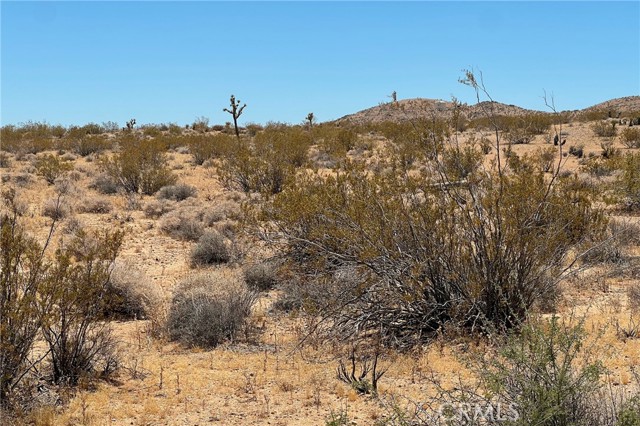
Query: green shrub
[(209, 308), (139, 166), (51, 167)]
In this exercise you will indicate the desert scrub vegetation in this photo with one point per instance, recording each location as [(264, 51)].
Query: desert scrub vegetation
[(183, 223), (629, 181), (630, 137), (140, 165), (209, 308), (547, 374), (51, 167), (266, 163), (456, 244), (604, 129), (177, 192), (210, 249), (206, 147), (57, 297), (131, 294)]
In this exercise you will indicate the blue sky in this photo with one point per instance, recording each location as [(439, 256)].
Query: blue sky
[(78, 62)]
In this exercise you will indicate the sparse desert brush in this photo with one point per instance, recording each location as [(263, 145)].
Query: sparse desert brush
[(261, 276), (105, 184), (251, 169), (604, 129), (209, 308), (56, 208), (51, 167), (178, 192), (222, 210), (87, 144), (205, 147), (131, 294), (628, 184), (577, 150), (211, 248), (633, 292), (157, 208), (139, 166), (290, 143), (388, 226), (630, 137), (94, 205), (183, 224), (5, 160), (548, 374)]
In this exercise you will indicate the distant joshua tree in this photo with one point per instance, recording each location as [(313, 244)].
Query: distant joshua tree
[(394, 97), (131, 124), (310, 119), (235, 112)]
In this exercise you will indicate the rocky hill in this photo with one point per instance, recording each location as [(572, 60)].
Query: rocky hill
[(411, 109)]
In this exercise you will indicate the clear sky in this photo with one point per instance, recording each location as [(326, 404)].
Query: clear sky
[(78, 62)]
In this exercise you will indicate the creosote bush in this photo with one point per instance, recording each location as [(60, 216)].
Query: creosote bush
[(451, 246), (59, 298), (209, 308), (51, 167), (139, 166)]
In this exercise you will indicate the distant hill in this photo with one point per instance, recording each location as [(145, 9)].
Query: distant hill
[(412, 109), (622, 105)]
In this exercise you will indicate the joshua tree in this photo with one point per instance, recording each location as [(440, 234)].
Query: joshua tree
[(235, 112), (131, 123), (310, 119)]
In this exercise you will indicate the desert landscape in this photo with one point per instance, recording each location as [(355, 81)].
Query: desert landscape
[(418, 262)]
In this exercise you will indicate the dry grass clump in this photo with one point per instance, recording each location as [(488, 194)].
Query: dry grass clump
[(5, 160), (56, 209), (104, 184), (177, 192), (260, 276), (95, 205), (634, 296), (157, 208), (226, 209), (211, 249), (630, 137), (182, 224), (132, 294), (209, 308)]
